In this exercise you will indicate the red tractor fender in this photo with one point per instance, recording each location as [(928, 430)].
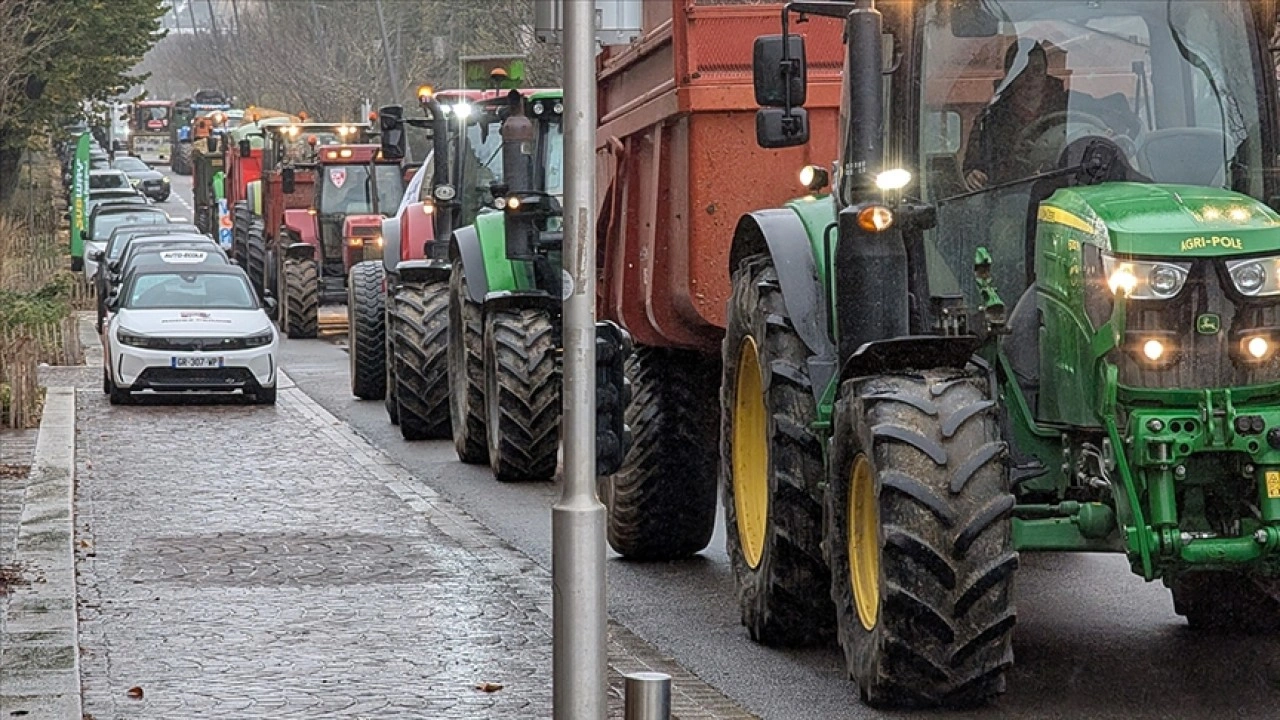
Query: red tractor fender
[(417, 229), (301, 225)]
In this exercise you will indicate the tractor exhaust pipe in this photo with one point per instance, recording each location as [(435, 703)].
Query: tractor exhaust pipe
[(864, 28)]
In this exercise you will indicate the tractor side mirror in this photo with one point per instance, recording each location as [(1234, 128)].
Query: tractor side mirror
[(288, 180), (778, 128), (779, 81), (246, 149)]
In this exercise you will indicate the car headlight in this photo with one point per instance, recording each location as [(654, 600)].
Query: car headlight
[(1145, 279), (259, 339), (164, 180), (141, 341), (1257, 277)]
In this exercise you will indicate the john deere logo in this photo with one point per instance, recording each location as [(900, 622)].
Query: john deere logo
[(1208, 324)]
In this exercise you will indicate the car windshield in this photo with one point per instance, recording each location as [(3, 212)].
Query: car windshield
[(189, 291), (131, 164), (107, 180), (104, 224), (347, 189), (1171, 86)]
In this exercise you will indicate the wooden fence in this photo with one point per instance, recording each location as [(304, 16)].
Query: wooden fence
[(34, 261)]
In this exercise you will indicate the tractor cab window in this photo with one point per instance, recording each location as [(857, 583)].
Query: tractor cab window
[(1170, 86), (480, 164), (349, 189), (552, 165)]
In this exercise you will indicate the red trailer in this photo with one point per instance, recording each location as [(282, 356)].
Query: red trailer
[(678, 166)]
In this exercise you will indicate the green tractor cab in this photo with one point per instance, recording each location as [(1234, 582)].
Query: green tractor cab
[(1037, 310)]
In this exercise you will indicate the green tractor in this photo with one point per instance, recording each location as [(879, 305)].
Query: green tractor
[(504, 303), (894, 433)]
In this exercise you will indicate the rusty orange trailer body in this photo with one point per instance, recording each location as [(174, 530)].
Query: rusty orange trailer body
[(678, 163)]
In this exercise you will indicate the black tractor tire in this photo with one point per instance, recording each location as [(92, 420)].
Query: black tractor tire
[(780, 571), (181, 164), (390, 399), (301, 305), (937, 563), (366, 334), (662, 501), (1228, 602), (421, 349), (240, 218), (255, 265), (200, 217), (522, 394), (466, 370)]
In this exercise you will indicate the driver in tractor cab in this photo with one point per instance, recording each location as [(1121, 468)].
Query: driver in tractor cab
[(1027, 94)]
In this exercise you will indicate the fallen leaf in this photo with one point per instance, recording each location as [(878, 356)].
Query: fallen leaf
[(135, 692), (488, 687)]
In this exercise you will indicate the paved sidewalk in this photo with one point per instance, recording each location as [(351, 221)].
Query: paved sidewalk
[(254, 562)]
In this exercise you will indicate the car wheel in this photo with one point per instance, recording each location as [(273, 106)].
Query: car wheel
[(106, 383), (119, 395), (265, 396)]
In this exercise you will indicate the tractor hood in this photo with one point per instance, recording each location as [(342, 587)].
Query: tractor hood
[(1166, 220), (364, 224)]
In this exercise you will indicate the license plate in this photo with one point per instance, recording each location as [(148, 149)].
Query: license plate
[(199, 361)]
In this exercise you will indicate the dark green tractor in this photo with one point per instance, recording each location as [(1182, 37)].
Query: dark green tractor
[(1013, 325)]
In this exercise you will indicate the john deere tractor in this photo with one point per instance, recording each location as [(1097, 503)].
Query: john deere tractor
[(1038, 310)]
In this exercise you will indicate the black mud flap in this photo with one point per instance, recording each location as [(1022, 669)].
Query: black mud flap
[(300, 251), (919, 352)]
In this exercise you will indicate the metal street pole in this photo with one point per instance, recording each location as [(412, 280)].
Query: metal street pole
[(580, 684)]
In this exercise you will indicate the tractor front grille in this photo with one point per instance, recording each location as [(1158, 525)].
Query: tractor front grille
[(1200, 358)]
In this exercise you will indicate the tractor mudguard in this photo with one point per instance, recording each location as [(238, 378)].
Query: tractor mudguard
[(302, 225), (781, 233), (913, 352), (423, 271), (300, 251), (466, 247), (483, 244), (390, 243), (531, 298)]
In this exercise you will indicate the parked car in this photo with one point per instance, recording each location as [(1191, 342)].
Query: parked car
[(152, 182), (196, 252), (109, 180), (106, 218), (177, 327)]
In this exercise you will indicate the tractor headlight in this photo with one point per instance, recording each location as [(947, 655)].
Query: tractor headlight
[(1256, 277), (1145, 279)]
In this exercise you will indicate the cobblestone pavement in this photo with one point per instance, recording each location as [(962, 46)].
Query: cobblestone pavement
[(254, 562)]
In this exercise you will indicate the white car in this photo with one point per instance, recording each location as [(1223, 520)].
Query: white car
[(179, 327)]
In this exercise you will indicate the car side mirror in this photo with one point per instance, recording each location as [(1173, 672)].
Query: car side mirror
[(270, 303), (84, 235), (246, 149), (97, 256), (779, 82), (113, 301), (288, 181), (776, 128)]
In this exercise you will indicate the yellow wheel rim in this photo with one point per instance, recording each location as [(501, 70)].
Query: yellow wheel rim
[(864, 542), (750, 454)]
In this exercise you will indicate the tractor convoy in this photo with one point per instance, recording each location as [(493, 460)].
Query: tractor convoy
[(1024, 298)]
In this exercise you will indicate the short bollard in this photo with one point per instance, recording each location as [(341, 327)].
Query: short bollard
[(648, 696)]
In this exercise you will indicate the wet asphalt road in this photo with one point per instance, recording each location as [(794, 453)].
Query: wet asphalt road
[(1092, 641)]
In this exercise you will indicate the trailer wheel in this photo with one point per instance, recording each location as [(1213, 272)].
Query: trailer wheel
[(662, 501), (522, 394), (421, 360), (466, 370), (301, 298), (770, 466), (390, 398), (366, 334), (1219, 601), (919, 540)]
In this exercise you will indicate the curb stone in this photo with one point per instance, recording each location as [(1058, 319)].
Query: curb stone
[(39, 655)]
